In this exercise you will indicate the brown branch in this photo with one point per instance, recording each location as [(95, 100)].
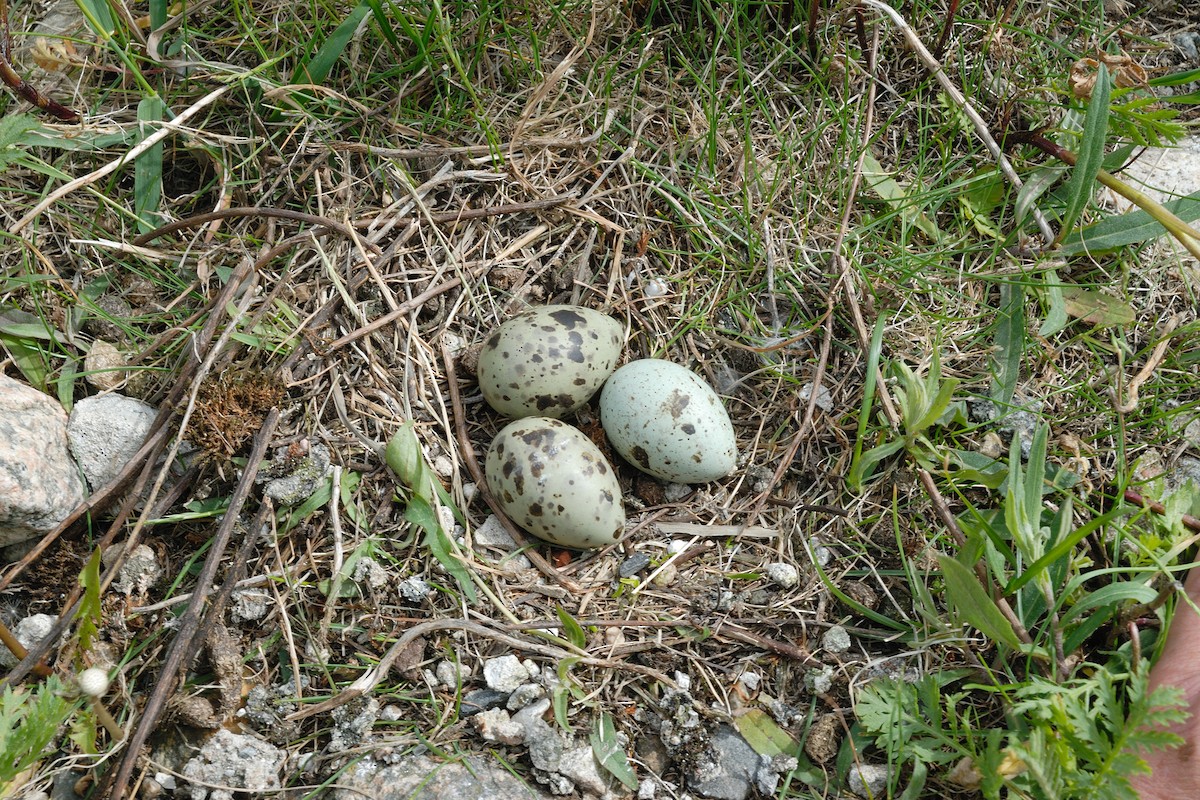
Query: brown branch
[(187, 639), (19, 85)]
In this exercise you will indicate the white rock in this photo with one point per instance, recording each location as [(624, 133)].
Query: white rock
[(139, 572), (105, 432), (29, 631), (836, 640), (39, 482), (491, 536), (579, 766), (824, 398), (505, 673), (234, 762), (495, 725), (782, 574), (451, 675), (869, 781), (819, 681), (249, 605)]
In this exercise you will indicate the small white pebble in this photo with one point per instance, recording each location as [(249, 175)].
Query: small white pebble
[(677, 546), (836, 640), (655, 287), (684, 680), (751, 680), (782, 574)]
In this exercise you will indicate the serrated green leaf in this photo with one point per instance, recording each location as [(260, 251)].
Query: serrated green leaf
[(970, 602), (90, 613), (606, 747)]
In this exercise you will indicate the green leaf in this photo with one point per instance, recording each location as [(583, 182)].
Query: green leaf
[(13, 129), (864, 413), (1096, 307), (1056, 311), (90, 614), (422, 514), (879, 181), (147, 167), (1009, 343), (1122, 230), (865, 466), (572, 631), (316, 70), (765, 736), (1091, 153), (1061, 549), (971, 603), (606, 747), (403, 455)]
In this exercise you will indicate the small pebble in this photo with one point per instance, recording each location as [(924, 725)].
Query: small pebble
[(481, 700), (413, 589), (633, 565), (836, 640), (782, 574), (869, 781)]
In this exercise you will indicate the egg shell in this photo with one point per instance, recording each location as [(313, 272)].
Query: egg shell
[(548, 361), (666, 421), (555, 483)]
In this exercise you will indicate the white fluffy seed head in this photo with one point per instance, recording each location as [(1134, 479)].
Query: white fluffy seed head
[(93, 682)]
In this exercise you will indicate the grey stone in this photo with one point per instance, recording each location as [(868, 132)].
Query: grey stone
[(29, 631), (413, 589), (139, 572), (824, 399), (249, 605), (505, 673), (235, 762), (495, 725), (730, 771), (633, 565), (784, 575), (494, 544), (370, 572), (836, 640), (546, 745), (267, 708), (869, 781), (525, 695), (450, 674), (819, 681), (39, 482), (481, 700), (422, 778), (579, 766), (352, 723), (105, 432), (305, 476)]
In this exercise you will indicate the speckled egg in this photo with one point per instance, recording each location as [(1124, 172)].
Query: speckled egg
[(666, 421), (555, 483), (548, 361)]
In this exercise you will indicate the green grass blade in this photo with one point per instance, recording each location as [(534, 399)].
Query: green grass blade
[(1091, 153), (317, 69)]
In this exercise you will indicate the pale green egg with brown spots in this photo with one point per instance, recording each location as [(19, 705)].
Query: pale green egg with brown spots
[(666, 421), (548, 361), (555, 483)]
